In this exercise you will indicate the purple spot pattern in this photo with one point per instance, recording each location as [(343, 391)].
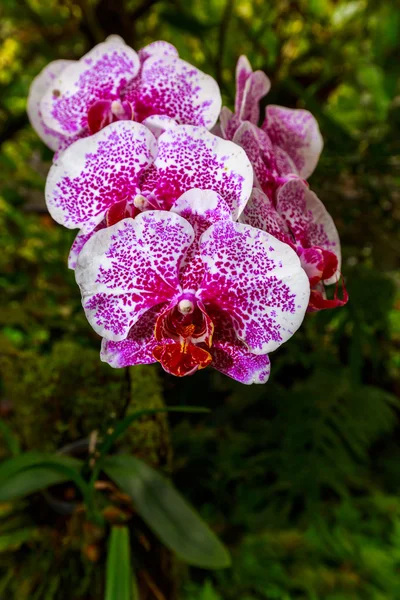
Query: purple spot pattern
[(159, 82), (307, 217), (299, 219), (102, 74), (201, 208), (97, 172), (232, 357), (191, 157), (137, 348), (133, 266), (158, 48), (251, 87), (261, 213), (79, 242), (243, 72), (38, 87), (296, 132), (170, 86), (257, 280), (135, 271), (292, 134)]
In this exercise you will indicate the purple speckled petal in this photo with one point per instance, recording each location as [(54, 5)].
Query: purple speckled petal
[(158, 48), (201, 208), (243, 72), (260, 151), (170, 86), (308, 219), (39, 86), (232, 357), (137, 348), (191, 157), (256, 279), (261, 213), (229, 123), (128, 268), (102, 74), (158, 124), (297, 133), (251, 87), (98, 171), (79, 242)]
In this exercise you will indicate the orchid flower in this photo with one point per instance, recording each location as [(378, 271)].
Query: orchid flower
[(123, 170), (191, 288), (299, 219), (288, 142), (69, 100)]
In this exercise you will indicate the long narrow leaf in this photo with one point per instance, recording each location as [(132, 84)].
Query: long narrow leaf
[(28, 473), (120, 583), (167, 513), (31, 459)]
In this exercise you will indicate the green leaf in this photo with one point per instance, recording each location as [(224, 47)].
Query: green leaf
[(31, 472), (120, 579), (167, 513)]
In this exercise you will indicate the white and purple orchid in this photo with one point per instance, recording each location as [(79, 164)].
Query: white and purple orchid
[(287, 144), (191, 288), (193, 249), (69, 100), (123, 170), (298, 218)]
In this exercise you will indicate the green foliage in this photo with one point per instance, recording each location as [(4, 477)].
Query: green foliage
[(167, 513), (301, 476), (120, 581)]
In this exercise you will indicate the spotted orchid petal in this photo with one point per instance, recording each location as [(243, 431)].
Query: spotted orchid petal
[(309, 221), (102, 74), (125, 270), (158, 48), (296, 132), (39, 86), (191, 157), (138, 347), (201, 208), (250, 88), (261, 213), (231, 356), (261, 153), (256, 279), (97, 172), (78, 244), (229, 123), (159, 123), (170, 86)]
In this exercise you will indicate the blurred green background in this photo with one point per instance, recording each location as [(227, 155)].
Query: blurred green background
[(300, 477)]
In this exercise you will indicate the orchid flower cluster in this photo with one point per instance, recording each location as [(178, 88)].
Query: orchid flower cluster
[(199, 242)]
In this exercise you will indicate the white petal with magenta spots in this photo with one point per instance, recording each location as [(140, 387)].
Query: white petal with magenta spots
[(191, 157), (98, 171), (257, 280), (295, 131), (101, 74), (170, 86), (128, 268), (39, 86)]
